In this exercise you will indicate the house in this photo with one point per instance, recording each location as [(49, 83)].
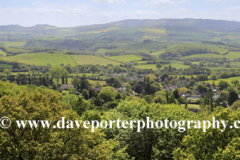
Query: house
[(185, 95), (194, 97), (215, 97), (66, 86), (214, 90), (122, 89)]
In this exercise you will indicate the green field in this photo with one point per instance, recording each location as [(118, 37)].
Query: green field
[(14, 44), (40, 59), (136, 47), (125, 58), (100, 82), (192, 106), (157, 53), (2, 65), (231, 56), (87, 74), (84, 59), (226, 79), (2, 54), (154, 66)]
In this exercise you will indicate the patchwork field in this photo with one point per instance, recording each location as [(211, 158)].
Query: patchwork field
[(192, 106), (125, 58), (40, 59), (231, 56), (84, 59), (136, 47), (151, 33), (13, 44), (2, 53), (154, 66), (226, 79), (2, 65)]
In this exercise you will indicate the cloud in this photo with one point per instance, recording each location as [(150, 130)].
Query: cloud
[(162, 2), (109, 1), (218, 0)]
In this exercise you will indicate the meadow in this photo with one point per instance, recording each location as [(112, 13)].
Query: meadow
[(85, 59), (2, 65), (13, 44), (154, 66), (192, 106), (225, 79), (125, 58), (40, 59), (136, 47), (2, 53), (231, 56)]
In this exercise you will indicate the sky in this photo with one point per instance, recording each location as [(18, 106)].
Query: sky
[(71, 13)]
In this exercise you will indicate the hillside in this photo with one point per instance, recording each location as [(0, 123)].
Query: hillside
[(162, 30)]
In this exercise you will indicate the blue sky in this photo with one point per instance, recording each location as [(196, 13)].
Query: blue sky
[(69, 13)]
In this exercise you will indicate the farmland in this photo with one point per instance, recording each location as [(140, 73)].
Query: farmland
[(40, 59), (125, 58), (85, 59), (2, 53)]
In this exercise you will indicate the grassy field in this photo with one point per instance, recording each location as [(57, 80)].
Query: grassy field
[(231, 56), (14, 44), (2, 53), (100, 82), (84, 59), (40, 59), (125, 58), (226, 79), (154, 66), (152, 33), (136, 47), (87, 74), (157, 53), (192, 106), (2, 65)]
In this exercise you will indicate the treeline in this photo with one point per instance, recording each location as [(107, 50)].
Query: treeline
[(214, 42), (70, 44), (182, 51)]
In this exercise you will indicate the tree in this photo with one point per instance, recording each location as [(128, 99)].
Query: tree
[(159, 65), (202, 88), (235, 82), (211, 144), (222, 85), (176, 93), (146, 40), (233, 95), (139, 89), (106, 95), (149, 99), (94, 69), (213, 76), (149, 143), (41, 143), (56, 73), (183, 90), (203, 77), (75, 82), (117, 83), (85, 94), (84, 84), (235, 105), (7, 72)]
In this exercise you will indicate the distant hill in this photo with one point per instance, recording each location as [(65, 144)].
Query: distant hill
[(134, 30), (220, 25)]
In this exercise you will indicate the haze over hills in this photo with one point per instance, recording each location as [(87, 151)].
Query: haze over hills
[(123, 36), (220, 25)]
